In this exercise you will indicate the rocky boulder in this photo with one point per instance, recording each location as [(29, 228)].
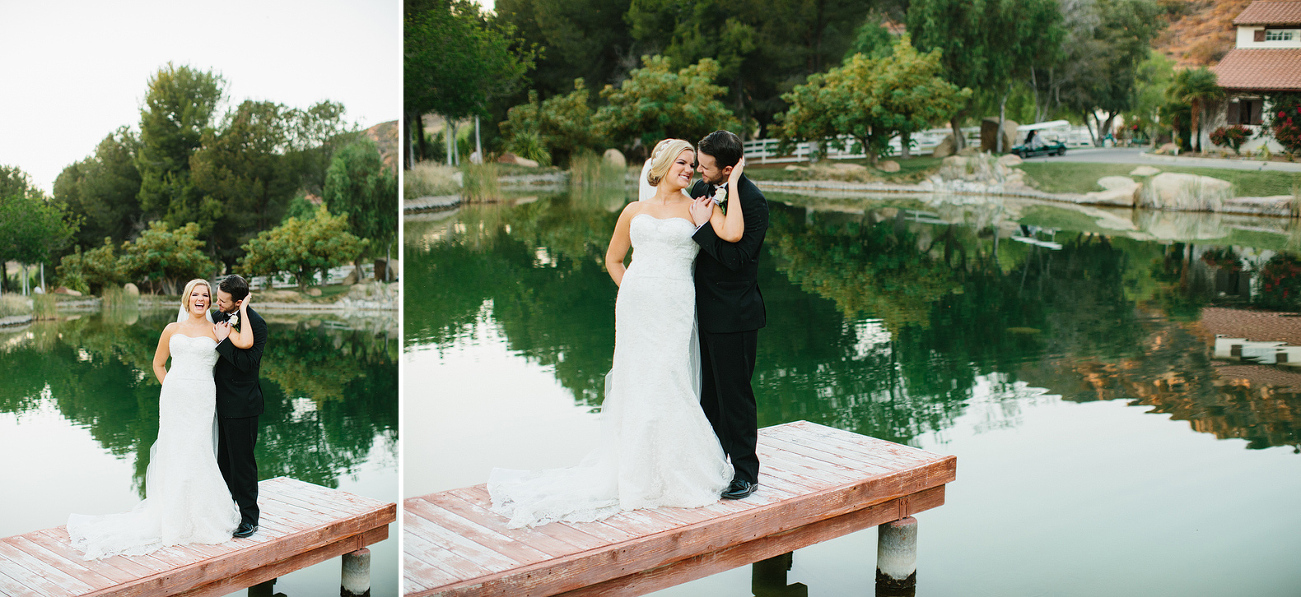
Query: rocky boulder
[(1167, 149), (1144, 171), (510, 158), (615, 158), (888, 166), (130, 289), (989, 134), (1010, 160), (945, 148), (982, 168), (1186, 192), (1117, 190)]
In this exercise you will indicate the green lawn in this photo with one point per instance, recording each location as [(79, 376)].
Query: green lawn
[(1082, 177)]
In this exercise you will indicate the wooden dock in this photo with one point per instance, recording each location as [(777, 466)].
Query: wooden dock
[(301, 525), (816, 483)]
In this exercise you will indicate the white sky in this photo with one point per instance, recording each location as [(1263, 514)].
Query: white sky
[(74, 71)]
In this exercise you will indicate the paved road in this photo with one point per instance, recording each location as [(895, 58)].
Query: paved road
[(1138, 156)]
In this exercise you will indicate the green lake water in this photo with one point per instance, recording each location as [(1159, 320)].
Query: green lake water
[(1103, 448), (79, 411)]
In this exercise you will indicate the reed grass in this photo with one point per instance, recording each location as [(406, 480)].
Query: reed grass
[(431, 179), (480, 183), (13, 304)]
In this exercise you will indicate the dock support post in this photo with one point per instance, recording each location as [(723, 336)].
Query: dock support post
[(356, 574), (896, 558), (768, 578)]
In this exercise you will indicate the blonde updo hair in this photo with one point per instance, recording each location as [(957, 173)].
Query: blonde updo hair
[(189, 287), (662, 158)]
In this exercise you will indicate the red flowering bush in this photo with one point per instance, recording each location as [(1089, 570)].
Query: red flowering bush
[(1279, 283), (1231, 136), (1285, 120)]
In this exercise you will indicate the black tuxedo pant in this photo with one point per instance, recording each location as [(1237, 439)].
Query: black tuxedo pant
[(235, 441), (727, 364)]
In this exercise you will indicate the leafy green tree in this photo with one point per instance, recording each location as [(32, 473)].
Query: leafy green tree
[(656, 103), (103, 189), (360, 188), (986, 44), (166, 258), (560, 126), (872, 100), (314, 135), (1195, 87), (456, 59), (1152, 78), (32, 228), (1105, 59), (302, 248), (178, 109), (762, 47), (92, 270), (241, 169), (581, 39)]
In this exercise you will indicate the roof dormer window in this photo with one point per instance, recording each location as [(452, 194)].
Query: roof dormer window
[(1280, 34)]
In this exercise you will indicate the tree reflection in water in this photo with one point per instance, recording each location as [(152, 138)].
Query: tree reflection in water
[(330, 393), (878, 323)]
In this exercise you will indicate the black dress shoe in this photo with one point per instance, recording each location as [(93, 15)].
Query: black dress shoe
[(739, 489), (245, 529)]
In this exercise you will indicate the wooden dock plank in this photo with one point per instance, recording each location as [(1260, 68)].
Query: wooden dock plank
[(302, 524), (816, 482)]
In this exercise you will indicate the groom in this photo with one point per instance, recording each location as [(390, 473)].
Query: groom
[(239, 401), (729, 309)]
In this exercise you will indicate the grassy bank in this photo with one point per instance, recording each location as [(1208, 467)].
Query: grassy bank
[(1082, 177)]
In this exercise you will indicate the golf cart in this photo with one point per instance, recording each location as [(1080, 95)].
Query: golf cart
[(1042, 138)]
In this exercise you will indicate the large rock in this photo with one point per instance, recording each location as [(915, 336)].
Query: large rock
[(1119, 190), (945, 148), (989, 138), (1167, 149), (888, 166), (510, 158), (1144, 171), (1187, 192), (131, 289), (615, 158), (67, 291), (980, 167), (1010, 160)]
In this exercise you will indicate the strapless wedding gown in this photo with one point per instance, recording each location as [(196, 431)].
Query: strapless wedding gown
[(655, 446), (186, 499)]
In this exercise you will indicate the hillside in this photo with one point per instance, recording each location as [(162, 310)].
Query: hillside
[(385, 136), (1200, 32)]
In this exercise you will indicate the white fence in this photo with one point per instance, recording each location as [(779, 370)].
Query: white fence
[(335, 275), (764, 151)]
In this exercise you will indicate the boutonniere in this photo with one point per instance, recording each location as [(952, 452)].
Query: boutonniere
[(233, 320), (720, 197)]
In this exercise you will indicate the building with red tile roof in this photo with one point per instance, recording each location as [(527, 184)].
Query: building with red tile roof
[(1266, 59)]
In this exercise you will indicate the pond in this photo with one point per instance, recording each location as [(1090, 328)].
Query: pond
[(79, 410), (1065, 355)]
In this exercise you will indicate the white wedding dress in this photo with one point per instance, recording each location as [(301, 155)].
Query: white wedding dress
[(186, 498), (656, 448)]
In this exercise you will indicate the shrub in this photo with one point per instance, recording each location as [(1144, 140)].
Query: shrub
[(1285, 120), (91, 271), (1231, 136)]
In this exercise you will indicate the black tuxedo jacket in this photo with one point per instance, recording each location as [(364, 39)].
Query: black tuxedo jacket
[(727, 274), (236, 373)]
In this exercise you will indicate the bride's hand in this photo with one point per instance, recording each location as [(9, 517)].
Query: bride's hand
[(736, 171)]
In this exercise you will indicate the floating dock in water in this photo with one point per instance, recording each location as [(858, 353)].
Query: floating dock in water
[(816, 483), (301, 524)]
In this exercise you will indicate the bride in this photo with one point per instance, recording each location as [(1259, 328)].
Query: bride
[(186, 499), (656, 448)]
